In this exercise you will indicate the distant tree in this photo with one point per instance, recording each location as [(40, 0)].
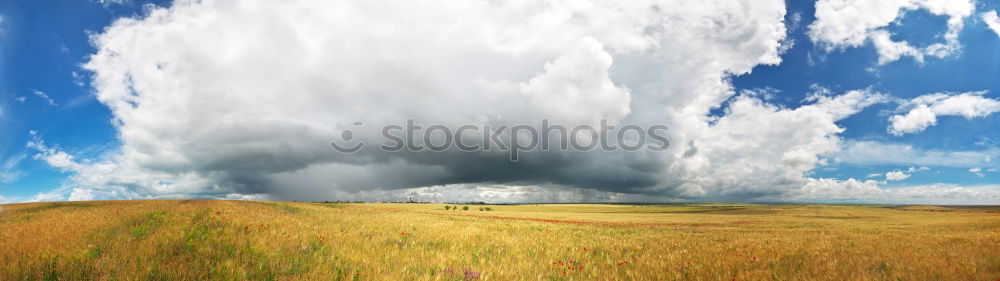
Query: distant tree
[(446, 207), (465, 208)]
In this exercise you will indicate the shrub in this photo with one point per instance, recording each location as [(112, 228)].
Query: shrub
[(446, 207), (481, 209), (465, 208), (489, 209)]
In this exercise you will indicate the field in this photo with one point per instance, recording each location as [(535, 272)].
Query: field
[(250, 240)]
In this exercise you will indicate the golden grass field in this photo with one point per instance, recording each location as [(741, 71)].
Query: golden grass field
[(248, 240)]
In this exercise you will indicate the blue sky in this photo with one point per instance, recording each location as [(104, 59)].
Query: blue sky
[(43, 44), (976, 68), (45, 89)]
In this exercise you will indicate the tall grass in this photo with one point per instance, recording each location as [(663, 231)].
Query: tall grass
[(236, 240)]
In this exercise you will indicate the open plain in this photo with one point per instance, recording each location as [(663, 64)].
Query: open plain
[(254, 240)]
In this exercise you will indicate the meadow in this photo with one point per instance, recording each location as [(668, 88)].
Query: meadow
[(254, 240)]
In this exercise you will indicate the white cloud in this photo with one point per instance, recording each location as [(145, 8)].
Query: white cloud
[(498, 194), (236, 99), (896, 176), (847, 104), (575, 88), (293, 77), (9, 169), (978, 171), (845, 23), (20, 99), (890, 51), (51, 196), (107, 3), (916, 120), (878, 153), (45, 97), (924, 110), (851, 190), (78, 79), (741, 156), (992, 20)]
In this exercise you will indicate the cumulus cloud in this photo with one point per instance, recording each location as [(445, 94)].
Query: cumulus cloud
[(992, 21), (240, 99), (924, 110), (243, 96), (896, 176), (774, 158), (844, 23), (918, 119), (575, 87)]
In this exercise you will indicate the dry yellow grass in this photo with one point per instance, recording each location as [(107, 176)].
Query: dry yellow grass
[(240, 240)]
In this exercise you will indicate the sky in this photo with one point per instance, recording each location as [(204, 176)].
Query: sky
[(825, 101)]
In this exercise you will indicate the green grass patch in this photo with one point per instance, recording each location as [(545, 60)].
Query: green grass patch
[(146, 224), (57, 205), (286, 208)]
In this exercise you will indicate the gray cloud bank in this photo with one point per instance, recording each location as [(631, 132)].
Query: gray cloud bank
[(239, 99)]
